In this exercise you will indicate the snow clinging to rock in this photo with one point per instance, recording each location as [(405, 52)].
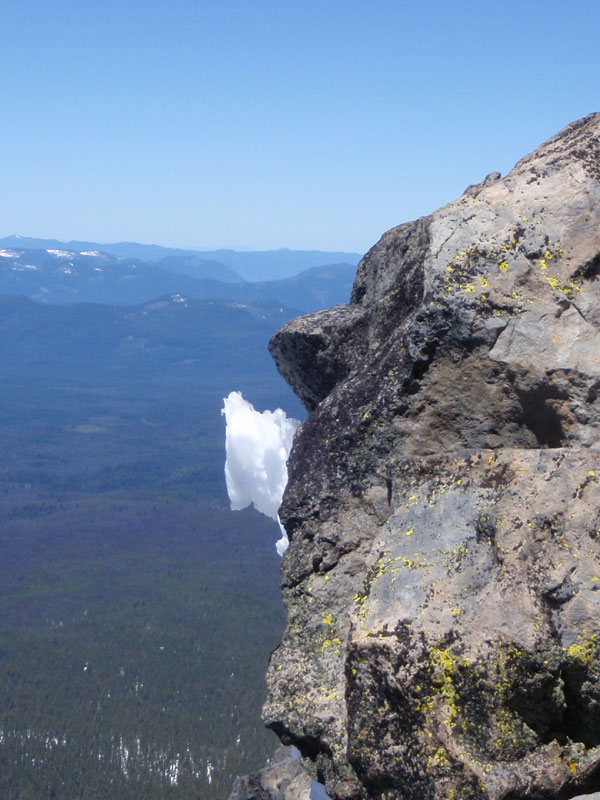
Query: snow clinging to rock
[(257, 446)]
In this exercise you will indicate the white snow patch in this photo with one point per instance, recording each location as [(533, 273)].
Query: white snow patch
[(22, 267), (173, 772), (123, 755), (257, 447), (8, 254), (89, 253), (60, 253)]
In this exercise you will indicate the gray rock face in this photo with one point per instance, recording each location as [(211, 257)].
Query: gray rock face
[(594, 796), (283, 778), (443, 506)]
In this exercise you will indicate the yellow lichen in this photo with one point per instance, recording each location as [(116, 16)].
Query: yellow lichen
[(567, 289), (444, 660), (582, 652), (437, 758)]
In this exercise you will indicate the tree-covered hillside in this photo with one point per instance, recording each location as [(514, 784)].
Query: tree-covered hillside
[(136, 611)]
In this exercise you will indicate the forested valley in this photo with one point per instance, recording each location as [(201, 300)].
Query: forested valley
[(137, 612)]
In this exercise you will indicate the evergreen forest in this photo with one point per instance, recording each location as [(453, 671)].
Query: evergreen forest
[(137, 612)]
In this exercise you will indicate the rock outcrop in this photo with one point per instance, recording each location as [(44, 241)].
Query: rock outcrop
[(282, 778), (443, 504)]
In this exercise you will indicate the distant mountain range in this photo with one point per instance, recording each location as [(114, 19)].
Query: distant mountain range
[(59, 276), (246, 265), (113, 501), (268, 265)]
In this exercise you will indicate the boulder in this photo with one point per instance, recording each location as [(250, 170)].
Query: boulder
[(282, 778), (443, 506)]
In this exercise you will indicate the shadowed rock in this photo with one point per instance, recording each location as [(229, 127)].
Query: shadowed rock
[(443, 503)]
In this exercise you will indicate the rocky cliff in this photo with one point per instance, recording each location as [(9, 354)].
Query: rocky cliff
[(443, 506)]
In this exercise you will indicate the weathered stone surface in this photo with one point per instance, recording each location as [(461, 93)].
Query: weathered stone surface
[(443, 577), (283, 778), (594, 796)]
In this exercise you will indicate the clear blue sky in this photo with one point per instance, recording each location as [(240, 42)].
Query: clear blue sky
[(264, 124)]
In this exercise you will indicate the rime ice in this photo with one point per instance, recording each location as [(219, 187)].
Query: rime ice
[(257, 446)]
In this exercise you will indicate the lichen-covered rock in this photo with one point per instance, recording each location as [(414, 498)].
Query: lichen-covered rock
[(443, 506)]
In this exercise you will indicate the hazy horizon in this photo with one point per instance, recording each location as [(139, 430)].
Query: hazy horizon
[(199, 248)]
